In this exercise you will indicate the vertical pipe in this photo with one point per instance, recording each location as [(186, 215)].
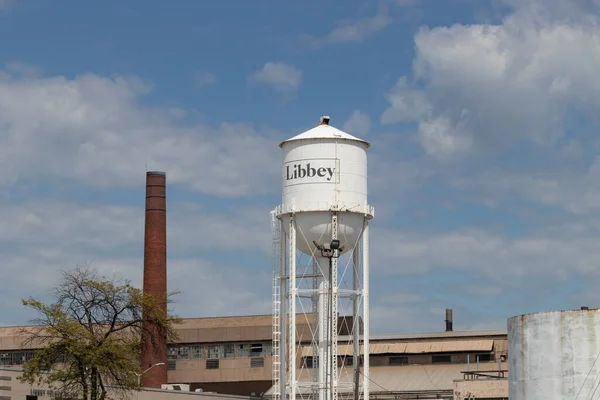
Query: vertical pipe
[(334, 312), (366, 322), (283, 315), (355, 323), (329, 319), (477, 363), (292, 306), (323, 329), (448, 319), (154, 339), (318, 342), (468, 362)]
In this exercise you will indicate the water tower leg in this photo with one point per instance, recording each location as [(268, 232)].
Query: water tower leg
[(322, 333), (365, 265), (283, 315), (333, 342), (356, 321), (293, 291)]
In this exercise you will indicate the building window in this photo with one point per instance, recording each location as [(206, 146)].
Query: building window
[(310, 362), (345, 361), (214, 351), (444, 359), (398, 360), (229, 350), (212, 364), (171, 365), (256, 348), (5, 397), (268, 350), (16, 357), (484, 357), (197, 351), (257, 362), (173, 352), (5, 378), (184, 352), (242, 350), (5, 388)]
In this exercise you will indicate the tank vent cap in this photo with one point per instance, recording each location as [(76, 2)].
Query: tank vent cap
[(324, 120)]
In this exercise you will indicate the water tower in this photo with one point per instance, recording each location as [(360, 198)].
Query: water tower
[(324, 217)]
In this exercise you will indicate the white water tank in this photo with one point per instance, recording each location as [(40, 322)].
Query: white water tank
[(325, 169), (554, 355)]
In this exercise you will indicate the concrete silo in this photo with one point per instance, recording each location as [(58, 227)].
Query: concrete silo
[(554, 355)]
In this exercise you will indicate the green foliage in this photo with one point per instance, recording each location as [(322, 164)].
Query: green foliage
[(91, 337)]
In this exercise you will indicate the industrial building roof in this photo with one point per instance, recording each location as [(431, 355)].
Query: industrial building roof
[(234, 322), (440, 346), (258, 327), (431, 335)]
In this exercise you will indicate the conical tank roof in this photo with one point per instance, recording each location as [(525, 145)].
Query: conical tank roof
[(324, 131)]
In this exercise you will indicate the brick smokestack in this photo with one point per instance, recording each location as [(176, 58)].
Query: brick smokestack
[(154, 343)]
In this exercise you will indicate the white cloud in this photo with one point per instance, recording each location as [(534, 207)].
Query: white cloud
[(92, 129), (406, 104), (483, 325), (486, 86), (103, 227), (475, 87), (394, 180), (352, 30), (237, 229), (407, 3), (569, 187), (41, 238), (439, 137), (215, 289), (283, 77), (553, 252), (358, 124), (401, 313), (572, 151), (23, 69), (203, 78), (357, 30), (484, 290)]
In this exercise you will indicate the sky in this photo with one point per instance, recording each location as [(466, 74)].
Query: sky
[(483, 167)]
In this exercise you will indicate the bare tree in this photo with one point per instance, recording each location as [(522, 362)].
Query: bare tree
[(91, 337)]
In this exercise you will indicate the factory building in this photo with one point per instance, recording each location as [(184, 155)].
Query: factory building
[(233, 355), (12, 388), (238, 356)]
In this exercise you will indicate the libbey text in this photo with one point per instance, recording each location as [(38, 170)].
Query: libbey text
[(313, 171)]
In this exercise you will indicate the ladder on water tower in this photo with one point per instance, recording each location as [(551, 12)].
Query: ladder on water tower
[(276, 346), (276, 334)]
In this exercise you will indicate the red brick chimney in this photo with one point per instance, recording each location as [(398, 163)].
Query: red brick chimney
[(154, 341)]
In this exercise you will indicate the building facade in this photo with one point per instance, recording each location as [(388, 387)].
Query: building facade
[(233, 355), (11, 388)]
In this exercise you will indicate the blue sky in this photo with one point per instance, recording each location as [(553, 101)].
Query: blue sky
[(483, 169)]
